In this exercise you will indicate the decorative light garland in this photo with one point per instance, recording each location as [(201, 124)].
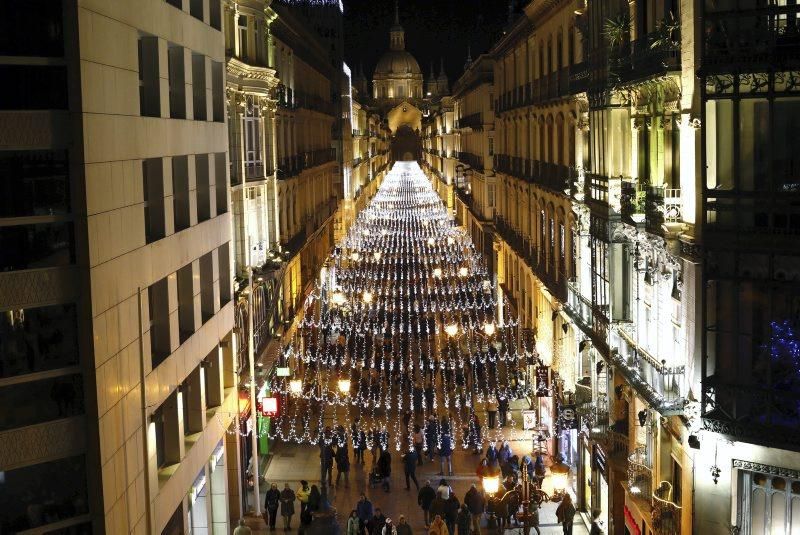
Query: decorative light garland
[(403, 306)]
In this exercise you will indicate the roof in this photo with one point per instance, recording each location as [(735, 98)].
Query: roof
[(397, 62)]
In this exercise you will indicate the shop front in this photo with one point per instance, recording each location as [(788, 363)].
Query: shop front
[(207, 510)]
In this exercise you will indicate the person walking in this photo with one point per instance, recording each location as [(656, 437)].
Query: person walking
[(431, 435), (375, 526), (425, 498), (364, 511), (402, 527), (491, 454), (463, 520), (271, 503), (438, 527), (565, 513), (595, 528), (242, 528), (502, 405), (410, 468), (451, 508), (343, 465), (419, 443), (443, 491), (287, 506), (476, 504), (302, 495), (446, 454), (438, 507), (385, 468), (353, 524), (491, 411)]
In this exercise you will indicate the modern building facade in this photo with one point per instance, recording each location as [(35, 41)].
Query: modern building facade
[(117, 298)]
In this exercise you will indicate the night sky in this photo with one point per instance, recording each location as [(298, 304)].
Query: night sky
[(434, 28)]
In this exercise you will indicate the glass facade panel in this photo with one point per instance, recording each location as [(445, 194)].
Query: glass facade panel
[(37, 246), (41, 401), (33, 183)]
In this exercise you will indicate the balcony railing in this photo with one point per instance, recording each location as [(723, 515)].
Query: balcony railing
[(474, 121), (472, 160), (614, 443), (649, 55), (666, 514), (640, 475), (550, 86), (534, 257), (759, 32), (556, 177), (290, 166), (289, 99)]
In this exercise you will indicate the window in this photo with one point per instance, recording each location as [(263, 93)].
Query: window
[(491, 101), (60, 484), (212, 377), (224, 261), (677, 486), (153, 189), (149, 90), (33, 87), (491, 146), (186, 324), (490, 195), (177, 77), (176, 3), (217, 92), (401, 91), (43, 401), (242, 29), (192, 394), (199, 87), (251, 124), (769, 504), (220, 183), (37, 246), (167, 431), (175, 526), (158, 309), (207, 301), (36, 30), (214, 14), (196, 9), (34, 183), (180, 192), (38, 339), (203, 180)]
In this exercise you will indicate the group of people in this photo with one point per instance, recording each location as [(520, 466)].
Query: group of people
[(310, 499)]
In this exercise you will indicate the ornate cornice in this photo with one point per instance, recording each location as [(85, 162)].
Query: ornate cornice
[(244, 74), (766, 469)]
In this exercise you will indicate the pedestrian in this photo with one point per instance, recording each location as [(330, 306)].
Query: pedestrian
[(451, 507), (509, 505), (431, 435), (446, 454), (476, 504), (538, 470), (419, 443), (302, 495), (491, 454), (271, 503), (314, 499), (353, 524), (343, 465), (364, 511), (287, 506), (565, 513), (385, 468), (425, 498), (326, 458), (242, 528), (595, 528), (502, 405), (443, 490), (388, 528), (505, 454), (491, 411), (375, 526), (402, 527), (438, 507), (463, 520), (438, 527), (410, 468)]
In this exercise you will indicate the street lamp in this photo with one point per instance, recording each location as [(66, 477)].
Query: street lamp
[(491, 484), (463, 271), (367, 297), (344, 386), (451, 329), (338, 299), (437, 273), (296, 386), (489, 328)]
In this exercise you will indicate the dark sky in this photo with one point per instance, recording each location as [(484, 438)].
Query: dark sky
[(434, 28)]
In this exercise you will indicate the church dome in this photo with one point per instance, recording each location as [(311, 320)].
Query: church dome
[(397, 62)]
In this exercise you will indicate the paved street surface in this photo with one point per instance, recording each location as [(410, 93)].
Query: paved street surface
[(292, 463)]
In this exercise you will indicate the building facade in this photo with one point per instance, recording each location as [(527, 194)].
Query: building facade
[(117, 295)]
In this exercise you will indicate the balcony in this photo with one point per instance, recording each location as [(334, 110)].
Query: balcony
[(760, 33), (556, 177), (662, 205), (752, 412), (472, 160), (536, 259), (632, 205), (289, 99), (290, 166), (649, 56), (640, 476), (614, 443), (579, 78), (666, 514), (474, 121)]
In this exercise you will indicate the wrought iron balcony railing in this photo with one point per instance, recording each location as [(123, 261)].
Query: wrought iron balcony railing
[(474, 121)]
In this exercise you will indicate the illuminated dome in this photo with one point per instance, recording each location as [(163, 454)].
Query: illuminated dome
[(397, 62)]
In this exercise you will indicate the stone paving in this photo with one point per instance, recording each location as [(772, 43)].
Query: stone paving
[(292, 463)]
